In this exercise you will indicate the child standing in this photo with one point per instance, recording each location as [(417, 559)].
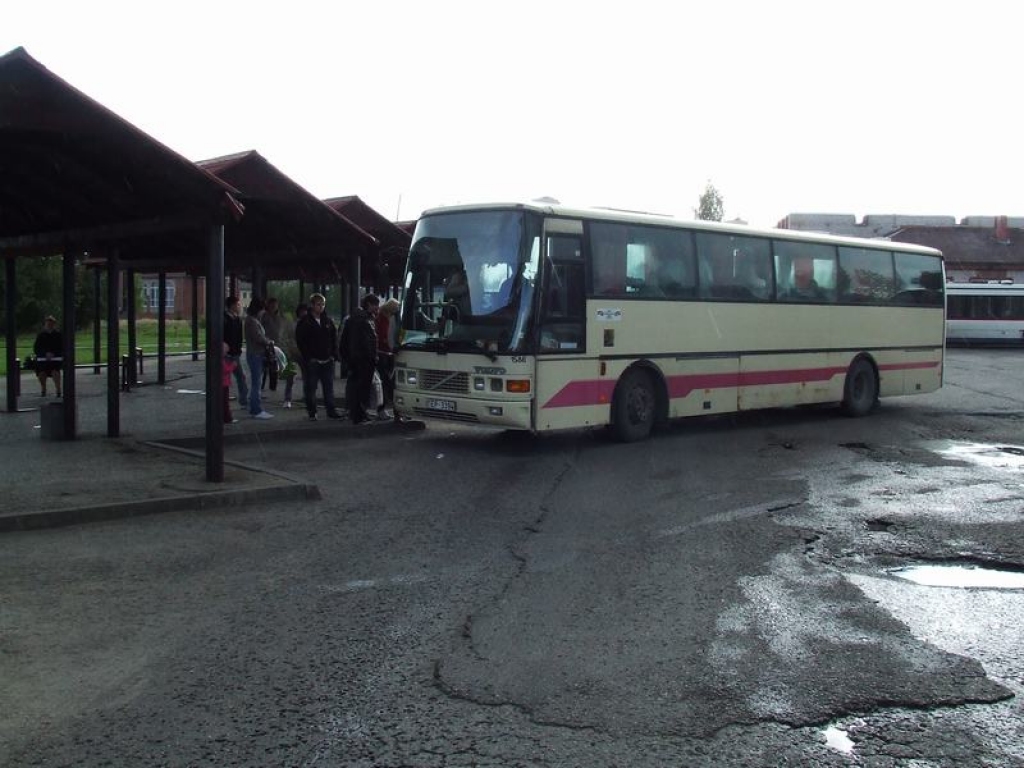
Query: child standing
[(228, 366)]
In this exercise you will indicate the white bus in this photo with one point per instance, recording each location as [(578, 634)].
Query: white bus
[(541, 317), (984, 313)]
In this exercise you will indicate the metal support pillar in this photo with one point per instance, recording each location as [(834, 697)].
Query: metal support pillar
[(68, 333), (215, 355), (13, 371), (113, 347), (161, 329), (195, 318), (97, 347)]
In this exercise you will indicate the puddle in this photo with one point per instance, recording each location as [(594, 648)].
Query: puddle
[(836, 738), (985, 454), (961, 576)]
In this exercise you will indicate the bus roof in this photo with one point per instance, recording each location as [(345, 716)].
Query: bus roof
[(654, 219)]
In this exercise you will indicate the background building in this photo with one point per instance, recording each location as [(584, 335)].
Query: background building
[(976, 248)]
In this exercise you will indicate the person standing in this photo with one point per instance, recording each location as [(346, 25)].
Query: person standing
[(227, 368), (294, 357), (359, 348), (49, 352), (386, 325), (233, 338), (257, 347), (317, 338), (272, 321)]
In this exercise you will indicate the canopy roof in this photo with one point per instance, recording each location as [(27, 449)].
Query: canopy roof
[(74, 174), (394, 241), (286, 229)]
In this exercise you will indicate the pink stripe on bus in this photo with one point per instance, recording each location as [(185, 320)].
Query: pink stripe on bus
[(600, 391)]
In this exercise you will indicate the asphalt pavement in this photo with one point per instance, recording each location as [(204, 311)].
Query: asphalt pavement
[(157, 463)]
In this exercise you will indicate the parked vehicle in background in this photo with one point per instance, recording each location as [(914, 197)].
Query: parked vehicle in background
[(541, 317), (985, 313)]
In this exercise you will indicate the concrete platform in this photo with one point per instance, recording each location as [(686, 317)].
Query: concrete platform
[(158, 463)]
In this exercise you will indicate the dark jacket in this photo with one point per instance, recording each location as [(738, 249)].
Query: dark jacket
[(233, 334), (359, 339), (316, 341), (49, 343)]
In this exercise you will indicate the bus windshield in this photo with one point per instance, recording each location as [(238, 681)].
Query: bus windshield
[(470, 281)]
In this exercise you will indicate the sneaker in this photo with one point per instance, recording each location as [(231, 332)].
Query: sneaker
[(287, 403), (312, 417), (263, 415), (385, 415), (334, 415), (233, 421)]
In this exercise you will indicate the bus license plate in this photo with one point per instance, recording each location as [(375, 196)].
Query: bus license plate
[(440, 405)]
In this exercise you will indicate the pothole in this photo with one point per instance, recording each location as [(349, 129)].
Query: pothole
[(880, 525), (960, 575)]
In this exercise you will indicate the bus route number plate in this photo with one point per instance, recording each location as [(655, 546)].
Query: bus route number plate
[(440, 405)]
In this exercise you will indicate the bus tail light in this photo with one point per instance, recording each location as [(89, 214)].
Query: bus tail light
[(521, 386)]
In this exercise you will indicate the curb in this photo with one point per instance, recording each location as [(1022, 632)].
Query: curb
[(57, 518)]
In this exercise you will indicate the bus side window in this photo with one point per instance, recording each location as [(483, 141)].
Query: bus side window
[(867, 275), (608, 260)]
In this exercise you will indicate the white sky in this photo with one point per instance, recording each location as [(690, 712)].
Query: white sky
[(890, 106)]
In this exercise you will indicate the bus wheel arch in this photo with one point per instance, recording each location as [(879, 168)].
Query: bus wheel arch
[(860, 390), (640, 401)]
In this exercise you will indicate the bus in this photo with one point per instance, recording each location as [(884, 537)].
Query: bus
[(540, 317), (985, 313)]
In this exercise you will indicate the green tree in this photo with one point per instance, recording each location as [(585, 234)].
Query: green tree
[(39, 287), (710, 207)]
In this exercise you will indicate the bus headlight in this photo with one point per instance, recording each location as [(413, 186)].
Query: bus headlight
[(410, 378), (478, 384)]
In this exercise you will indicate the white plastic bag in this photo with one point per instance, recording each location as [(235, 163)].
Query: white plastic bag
[(376, 393)]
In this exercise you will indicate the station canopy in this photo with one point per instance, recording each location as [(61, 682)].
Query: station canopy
[(77, 177)]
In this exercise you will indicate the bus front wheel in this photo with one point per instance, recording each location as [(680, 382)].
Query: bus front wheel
[(634, 407), (860, 394)]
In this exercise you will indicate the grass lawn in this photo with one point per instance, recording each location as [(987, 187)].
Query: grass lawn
[(179, 339)]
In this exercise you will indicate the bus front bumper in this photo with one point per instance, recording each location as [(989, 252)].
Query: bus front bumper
[(509, 414)]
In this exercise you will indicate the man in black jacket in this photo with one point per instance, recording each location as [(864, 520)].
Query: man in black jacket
[(359, 350), (233, 338), (317, 339)]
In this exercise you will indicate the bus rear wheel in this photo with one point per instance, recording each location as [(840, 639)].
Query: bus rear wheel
[(860, 393), (634, 407)]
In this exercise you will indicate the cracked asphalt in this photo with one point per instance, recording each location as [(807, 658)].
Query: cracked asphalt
[(720, 595)]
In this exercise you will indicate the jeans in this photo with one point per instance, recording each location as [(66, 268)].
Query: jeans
[(323, 374), (239, 374), (358, 387), (256, 374)]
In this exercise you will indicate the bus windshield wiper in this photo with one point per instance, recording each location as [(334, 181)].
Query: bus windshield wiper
[(443, 345)]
